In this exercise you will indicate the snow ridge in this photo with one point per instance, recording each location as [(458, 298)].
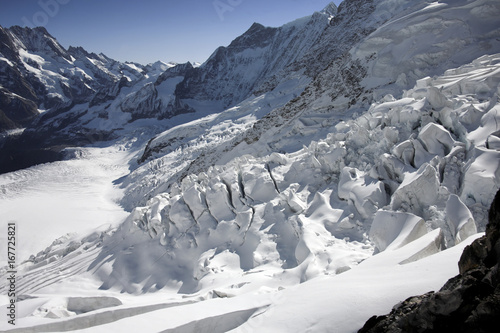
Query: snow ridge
[(88, 98), (400, 160), (320, 188)]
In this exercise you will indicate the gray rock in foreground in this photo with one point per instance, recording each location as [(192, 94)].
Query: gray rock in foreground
[(468, 302)]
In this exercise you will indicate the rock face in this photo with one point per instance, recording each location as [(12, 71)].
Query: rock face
[(256, 61), (469, 302), (65, 97), (71, 97)]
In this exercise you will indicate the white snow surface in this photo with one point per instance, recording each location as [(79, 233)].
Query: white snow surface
[(256, 240), (321, 222), (65, 198)]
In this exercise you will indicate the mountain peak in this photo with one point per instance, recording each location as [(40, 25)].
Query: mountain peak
[(78, 51), (256, 36), (38, 39), (330, 9), (39, 30)]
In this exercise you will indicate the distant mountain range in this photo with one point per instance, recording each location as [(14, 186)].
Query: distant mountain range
[(63, 97), (306, 177)]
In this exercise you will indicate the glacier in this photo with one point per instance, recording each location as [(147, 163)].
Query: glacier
[(323, 191)]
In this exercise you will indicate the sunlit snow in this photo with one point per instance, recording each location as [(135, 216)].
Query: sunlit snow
[(317, 223)]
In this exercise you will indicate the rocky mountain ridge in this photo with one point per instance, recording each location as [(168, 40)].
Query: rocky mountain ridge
[(469, 302), (87, 97), (350, 175)]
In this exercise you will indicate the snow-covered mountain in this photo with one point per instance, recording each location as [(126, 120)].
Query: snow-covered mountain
[(304, 178), (87, 97), (53, 93)]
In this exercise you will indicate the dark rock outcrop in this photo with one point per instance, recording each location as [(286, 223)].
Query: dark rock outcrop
[(469, 302), (78, 90), (261, 54)]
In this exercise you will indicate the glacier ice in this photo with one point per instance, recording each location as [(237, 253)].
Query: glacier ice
[(387, 176), (459, 219), (391, 150), (392, 229)]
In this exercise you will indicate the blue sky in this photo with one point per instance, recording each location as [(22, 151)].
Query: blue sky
[(148, 30)]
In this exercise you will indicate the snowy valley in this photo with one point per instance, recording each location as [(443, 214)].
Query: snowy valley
[(303, 179)]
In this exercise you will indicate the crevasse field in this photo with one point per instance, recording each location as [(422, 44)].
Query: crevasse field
[(314, 225), (266, 248)]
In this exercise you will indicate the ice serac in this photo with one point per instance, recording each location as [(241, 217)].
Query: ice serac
[(391, 230), (366, 193), (459, 219), (468, 302), (382, 139), (481, 172), (345, 163), (418, 191)]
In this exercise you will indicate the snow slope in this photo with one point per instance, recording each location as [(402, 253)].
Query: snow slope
[(67, 197), (317, 305), (257, 256), (285, 214), (85, 97), (401, 160)]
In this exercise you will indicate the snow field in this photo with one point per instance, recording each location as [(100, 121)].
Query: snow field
[(298, 212), (372, 287), (321, 214), (68, 197), (297, 227)]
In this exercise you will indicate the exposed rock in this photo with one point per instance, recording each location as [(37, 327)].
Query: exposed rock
[(469, 302), (85, 92)]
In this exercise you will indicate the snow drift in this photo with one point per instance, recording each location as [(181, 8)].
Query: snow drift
[(310, 193)]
